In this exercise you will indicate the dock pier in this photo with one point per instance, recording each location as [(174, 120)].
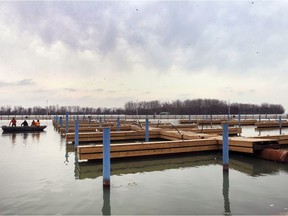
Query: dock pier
[(128, 140)]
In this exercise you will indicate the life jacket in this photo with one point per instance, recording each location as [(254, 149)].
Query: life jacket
[(37, 123)]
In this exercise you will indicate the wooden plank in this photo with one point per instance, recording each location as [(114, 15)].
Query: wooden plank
[(248, 142), (168, 138), (271, 124), (150, 145), (239, 149), (96, 139), (149, 152)]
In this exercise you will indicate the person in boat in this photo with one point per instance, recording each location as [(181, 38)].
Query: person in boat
[(33, 123), (13, 122), (25, 124), (37, 123)]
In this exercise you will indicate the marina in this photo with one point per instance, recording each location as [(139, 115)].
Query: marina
[(50, 179)]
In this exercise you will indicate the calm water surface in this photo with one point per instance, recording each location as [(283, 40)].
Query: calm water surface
[(39, 175)]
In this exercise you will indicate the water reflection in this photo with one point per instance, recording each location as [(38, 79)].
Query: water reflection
[(66, 158), (244, 164), (106, 209), (118, 167), (24, 136), (225, 192), (271, 131)]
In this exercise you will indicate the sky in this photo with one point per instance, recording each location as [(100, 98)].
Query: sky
[(106, 53)]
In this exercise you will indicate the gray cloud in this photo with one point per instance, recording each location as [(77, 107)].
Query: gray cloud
[(24, 82), (193, 35)]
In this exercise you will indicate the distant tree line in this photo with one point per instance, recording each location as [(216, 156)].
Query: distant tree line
[(199, 107), (177, 107)]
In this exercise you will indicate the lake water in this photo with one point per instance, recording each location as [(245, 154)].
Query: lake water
[(40, 175)]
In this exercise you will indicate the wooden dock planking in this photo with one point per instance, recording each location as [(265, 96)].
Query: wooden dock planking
[(115, 135), (233, 131), (249, 145), (238, 144), (151, 148), (231, 122), (178, 139), (71, 129), (271, 124), (281, 139), (178, 126)]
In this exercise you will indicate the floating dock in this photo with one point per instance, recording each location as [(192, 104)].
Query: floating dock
[(271, 124), (128, 140)]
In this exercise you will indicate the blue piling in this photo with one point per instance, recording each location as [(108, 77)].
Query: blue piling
[(147, 130), (100, 120), (76, 139), (61, 121), (225, 147), (239, 120), (211, 120), (89, 119), (260, 118), (106, 157), (118, 123), (280, 125), (67, 121)]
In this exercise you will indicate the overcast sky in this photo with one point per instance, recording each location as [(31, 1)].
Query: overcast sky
[(106, 53)]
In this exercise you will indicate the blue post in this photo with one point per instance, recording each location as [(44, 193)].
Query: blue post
[(280, 124), (118, 123), (76, 138), (100, 120), (211, 120), (225, 147), (106, 157), (67, 121), (239, 120), (89, 119), (147, 130), (61, 121), (259, 117)]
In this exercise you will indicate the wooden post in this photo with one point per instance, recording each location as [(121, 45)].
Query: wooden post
[(67, 121), (76, 139), (106, 157), (147, 130), (225, 147)]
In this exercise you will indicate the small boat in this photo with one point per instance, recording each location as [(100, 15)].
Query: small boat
[(20, 129)]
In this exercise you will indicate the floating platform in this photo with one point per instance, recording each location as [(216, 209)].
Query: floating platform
[(136, 132), (271, 124), (129, 140), (196, 144), (231, 122)]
